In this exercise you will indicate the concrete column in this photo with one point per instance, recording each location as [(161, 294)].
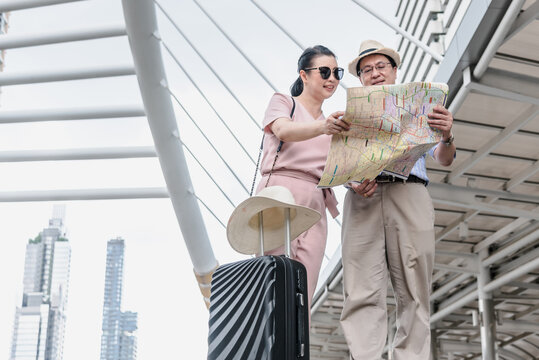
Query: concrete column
[(433, 345), (487, 319)]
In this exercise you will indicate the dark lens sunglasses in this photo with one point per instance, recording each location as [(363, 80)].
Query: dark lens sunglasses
[(325, 72)]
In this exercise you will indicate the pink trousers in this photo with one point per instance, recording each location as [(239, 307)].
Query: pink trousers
[(309, 247)]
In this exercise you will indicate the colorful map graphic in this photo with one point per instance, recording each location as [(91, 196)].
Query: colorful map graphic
[(389, 131)]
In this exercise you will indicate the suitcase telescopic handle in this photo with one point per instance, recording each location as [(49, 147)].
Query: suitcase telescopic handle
[(287, 232), (287, 246), (261, 232)]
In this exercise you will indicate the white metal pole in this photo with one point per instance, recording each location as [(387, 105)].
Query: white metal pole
[(102, 112), (11, 5), (510, 249), (30, 77), (83, 194), (327, 289), (491, 286), (524, 18), (449, 285), (126, 152), (454, 306), (463, 92), (37, 39), (512, 275), (141, 25), (498, 37)]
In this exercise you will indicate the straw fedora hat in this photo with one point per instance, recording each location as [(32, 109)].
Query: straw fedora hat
[(371, 47), (243, 227)]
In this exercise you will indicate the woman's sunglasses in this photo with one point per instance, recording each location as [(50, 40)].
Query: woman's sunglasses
[(325, 72)]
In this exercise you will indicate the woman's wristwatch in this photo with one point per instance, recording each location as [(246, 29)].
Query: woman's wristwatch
[(449, 141)]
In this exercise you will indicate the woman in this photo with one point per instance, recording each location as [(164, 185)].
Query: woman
[(306, 139)]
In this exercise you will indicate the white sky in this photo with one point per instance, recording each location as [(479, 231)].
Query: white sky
[(159, 283)]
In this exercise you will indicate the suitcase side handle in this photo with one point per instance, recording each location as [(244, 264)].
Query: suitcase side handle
[(300, 314)]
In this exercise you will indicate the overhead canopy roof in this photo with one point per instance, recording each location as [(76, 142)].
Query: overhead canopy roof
[(496, 127)]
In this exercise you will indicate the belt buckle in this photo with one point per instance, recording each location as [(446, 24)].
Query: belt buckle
[(386, 179)]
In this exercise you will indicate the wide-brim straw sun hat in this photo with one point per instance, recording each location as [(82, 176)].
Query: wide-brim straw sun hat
[(243, 230), (371, 47)]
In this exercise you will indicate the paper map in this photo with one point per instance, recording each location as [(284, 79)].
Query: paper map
[(388, 131)]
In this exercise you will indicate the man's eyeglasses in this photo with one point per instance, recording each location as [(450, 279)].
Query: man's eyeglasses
[(367, 70), (325, 72)]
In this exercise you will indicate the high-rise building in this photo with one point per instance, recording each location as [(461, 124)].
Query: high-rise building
[(4, 24), (118, 341), (39, 326)]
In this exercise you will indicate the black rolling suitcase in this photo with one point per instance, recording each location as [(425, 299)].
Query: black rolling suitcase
[(258, 310)]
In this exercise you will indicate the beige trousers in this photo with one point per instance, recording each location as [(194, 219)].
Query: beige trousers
[(388, 235)]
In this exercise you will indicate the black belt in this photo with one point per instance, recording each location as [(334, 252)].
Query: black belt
[(395, 179)]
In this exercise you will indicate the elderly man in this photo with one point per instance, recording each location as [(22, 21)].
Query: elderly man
[(388, 231)]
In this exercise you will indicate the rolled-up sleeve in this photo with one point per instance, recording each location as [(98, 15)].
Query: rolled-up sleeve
[(279, 107)]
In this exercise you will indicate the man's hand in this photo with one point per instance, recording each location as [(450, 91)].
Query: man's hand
[(440, 118), (365, 189)]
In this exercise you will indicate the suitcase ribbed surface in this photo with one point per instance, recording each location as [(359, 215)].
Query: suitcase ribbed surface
[(242, 308)]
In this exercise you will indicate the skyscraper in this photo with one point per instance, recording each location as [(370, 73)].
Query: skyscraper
[(38, 331), (118, 341), (4, 24)]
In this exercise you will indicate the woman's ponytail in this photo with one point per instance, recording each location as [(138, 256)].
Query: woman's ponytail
[(297, 87)]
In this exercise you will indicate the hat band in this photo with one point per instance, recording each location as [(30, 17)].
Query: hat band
[(366, 51)]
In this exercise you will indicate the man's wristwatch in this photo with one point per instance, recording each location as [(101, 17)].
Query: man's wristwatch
[(449, 141)]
